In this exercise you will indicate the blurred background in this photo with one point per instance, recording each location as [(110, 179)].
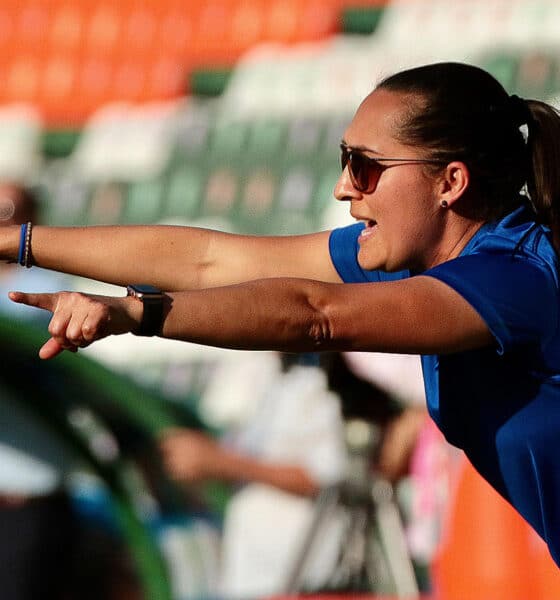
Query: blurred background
[(228, 114)]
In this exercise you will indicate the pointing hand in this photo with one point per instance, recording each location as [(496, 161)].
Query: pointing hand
[(80, 319)]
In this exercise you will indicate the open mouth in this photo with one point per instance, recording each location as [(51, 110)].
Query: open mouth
[(369, 229)]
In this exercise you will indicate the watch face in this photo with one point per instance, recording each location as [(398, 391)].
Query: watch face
[(144, 290)]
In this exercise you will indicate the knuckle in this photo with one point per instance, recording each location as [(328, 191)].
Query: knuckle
[(88, 332), (55, 328), (73, 335)]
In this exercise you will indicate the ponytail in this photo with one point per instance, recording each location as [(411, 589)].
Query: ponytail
[(543, 178), (461, 112)]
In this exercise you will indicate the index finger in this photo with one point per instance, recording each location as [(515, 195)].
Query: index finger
[(47, 301)]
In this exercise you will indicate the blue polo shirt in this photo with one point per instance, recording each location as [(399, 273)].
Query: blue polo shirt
[(500, 404)]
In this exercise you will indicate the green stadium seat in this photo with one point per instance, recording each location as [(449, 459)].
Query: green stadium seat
[(209, 82), (144, 201), (267, 138), (59, 142), (324, 195), (228, 141), (361, 20), (503, 66), (185, 188)]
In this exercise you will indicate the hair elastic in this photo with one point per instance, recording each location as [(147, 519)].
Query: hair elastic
[(520, 110)]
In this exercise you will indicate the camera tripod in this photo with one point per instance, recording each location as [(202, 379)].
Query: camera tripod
[(373, 556)]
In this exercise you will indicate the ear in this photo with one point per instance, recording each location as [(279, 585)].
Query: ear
[(453, 182)]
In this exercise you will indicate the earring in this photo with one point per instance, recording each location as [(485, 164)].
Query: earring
[(443, 204)]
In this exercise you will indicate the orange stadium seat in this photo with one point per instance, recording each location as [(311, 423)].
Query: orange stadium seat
[(70, 57)]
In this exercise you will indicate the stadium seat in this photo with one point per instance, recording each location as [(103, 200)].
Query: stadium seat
[(192, 128), (256, 202), (185, 186), (125, 142), (304, 138), (64, 200), (107, 203), (537, 74), (504, 66), (21, 130), (144, 201), (266, 138)]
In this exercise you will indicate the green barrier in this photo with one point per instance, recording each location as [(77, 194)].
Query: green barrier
[(107, 388), (50, 388)]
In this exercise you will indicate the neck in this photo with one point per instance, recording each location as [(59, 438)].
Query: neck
[(454, 240)]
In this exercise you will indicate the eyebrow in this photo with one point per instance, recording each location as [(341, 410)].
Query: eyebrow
[(360, 148)]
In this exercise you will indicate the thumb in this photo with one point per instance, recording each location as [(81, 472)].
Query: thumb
[(45, 301)]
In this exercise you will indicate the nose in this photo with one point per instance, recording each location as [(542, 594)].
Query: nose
[(344, 190)]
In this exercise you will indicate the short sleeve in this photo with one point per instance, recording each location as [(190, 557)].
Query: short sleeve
[(516, 297)]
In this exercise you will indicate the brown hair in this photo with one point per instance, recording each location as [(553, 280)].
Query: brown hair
[(460, 112)]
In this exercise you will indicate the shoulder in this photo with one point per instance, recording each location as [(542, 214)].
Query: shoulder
[(517, 235), (517, 240), (509, 274)]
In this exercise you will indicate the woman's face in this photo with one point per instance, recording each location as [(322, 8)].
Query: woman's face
[(401, 214)]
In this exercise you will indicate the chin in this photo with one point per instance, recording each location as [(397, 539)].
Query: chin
[(369, 263)]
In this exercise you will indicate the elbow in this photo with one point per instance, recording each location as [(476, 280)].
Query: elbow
[(332, 325), (321, 330), (320, 333)]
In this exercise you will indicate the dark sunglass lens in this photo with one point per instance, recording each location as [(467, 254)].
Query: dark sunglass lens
[(360, 171), (344, 152), (364, 172)]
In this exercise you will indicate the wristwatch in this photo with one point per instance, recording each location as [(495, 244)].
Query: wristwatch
[(152, 299)]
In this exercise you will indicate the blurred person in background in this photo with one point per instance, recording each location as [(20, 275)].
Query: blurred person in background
[(454, 184), (37, 522), (290, 448)]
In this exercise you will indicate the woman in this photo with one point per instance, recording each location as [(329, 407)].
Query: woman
[(448, 260)]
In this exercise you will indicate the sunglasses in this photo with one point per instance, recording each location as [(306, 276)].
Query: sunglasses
[(365, 171)]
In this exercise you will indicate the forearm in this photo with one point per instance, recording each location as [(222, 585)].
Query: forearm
[(117, 255), (169, 257), (275, 314), (236, 468)]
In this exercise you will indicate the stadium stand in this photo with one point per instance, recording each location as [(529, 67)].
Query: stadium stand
[(71, 57), (227, 113)]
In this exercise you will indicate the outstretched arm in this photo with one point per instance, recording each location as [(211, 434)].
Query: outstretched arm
[(172, 257), (192, 457), (416, 315)]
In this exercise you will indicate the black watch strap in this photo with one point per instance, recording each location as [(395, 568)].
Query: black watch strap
[(152, 300)]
